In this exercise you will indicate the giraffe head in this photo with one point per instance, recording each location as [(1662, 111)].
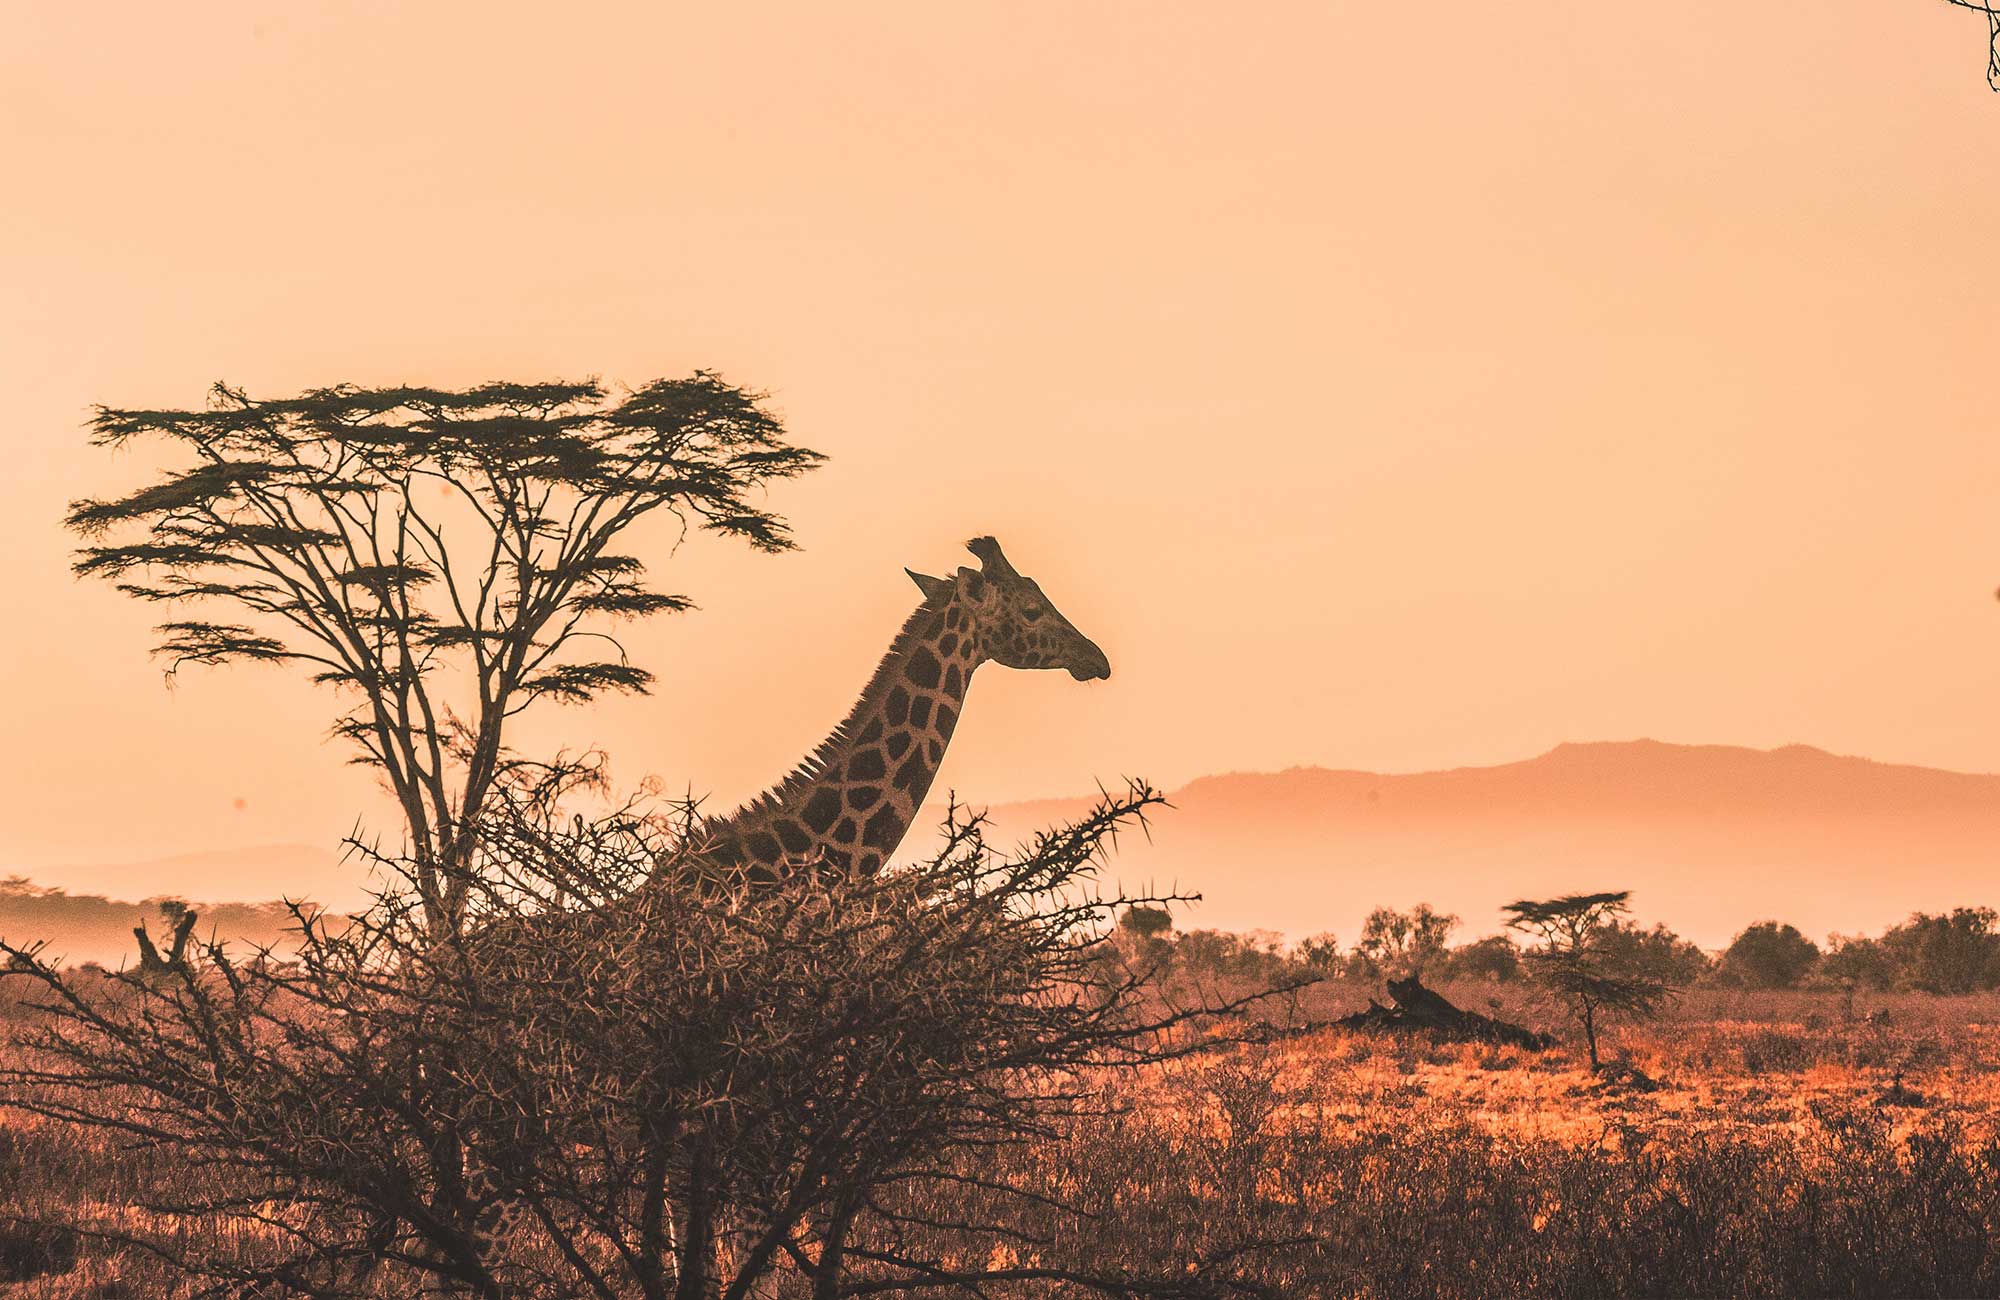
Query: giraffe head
[(1012, 622)]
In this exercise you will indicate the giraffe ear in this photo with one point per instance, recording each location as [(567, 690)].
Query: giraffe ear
[(991, 561), (926, 583)]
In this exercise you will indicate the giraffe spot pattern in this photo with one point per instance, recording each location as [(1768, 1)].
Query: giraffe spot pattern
[(911, 773), (846, 831), (882, 832), (897, 711), (822, 808), (920, 711), (863, 796), (793, 836), (898, 743), (923, 668), (868, 765)]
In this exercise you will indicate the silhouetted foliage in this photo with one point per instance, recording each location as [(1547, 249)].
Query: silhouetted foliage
[(1658, 953), (379, 537), (1857, 962), (1495, 958), (1768, 955), (626, 1079), (1320, 954), (1256, 956), (1953, 953), (1576, 964), (1395, 944)]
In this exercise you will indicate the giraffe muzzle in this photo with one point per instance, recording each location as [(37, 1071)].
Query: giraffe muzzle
[(1089, 665)]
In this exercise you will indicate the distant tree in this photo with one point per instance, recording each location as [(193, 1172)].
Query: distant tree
[(1768, 955), (1144, 936), (1144, 922), (445, 558), (1658, 952), (1320, 954), (1256, 956), (1857, 962), (1575, 964), (1398, 944), (1495, 958), (1954, 953)]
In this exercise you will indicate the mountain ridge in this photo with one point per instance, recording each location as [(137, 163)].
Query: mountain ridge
[(1709, 838)]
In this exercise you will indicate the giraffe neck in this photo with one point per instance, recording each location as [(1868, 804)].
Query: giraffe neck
[(854, 798)]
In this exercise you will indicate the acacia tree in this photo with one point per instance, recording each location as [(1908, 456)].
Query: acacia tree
[(445, 558), (1576, 964)]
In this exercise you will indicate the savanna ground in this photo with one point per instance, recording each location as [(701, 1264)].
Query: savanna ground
[(1796, 1143)]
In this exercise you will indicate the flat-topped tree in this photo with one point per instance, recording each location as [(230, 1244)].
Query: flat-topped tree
[(383, 536), (1590, 977)]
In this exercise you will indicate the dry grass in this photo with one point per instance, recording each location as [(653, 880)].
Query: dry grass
[(1763, 1165)]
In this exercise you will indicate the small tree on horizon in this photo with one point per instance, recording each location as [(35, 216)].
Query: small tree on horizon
[(1576, 966)]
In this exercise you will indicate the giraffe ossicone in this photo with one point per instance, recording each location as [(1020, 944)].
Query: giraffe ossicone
[(849, 804)]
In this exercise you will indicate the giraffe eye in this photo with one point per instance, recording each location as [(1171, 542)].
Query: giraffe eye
[(1032, 612)]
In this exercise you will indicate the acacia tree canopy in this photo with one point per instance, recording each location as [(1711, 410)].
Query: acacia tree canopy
[(444, 557), (1577, 966)]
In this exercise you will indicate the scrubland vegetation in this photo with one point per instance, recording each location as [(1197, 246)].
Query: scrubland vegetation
[(577, 1055), (1772, 1159)]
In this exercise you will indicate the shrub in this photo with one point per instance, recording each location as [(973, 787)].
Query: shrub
[(1768, 955), (1955, 953), (1495, 958)]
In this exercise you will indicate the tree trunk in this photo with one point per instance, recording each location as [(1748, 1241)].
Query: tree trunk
[(826, 1277), (697, 1245)]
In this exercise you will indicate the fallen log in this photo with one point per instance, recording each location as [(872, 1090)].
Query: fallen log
[(1422, 1009)]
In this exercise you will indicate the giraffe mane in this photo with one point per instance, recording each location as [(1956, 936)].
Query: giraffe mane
[(915, 629)]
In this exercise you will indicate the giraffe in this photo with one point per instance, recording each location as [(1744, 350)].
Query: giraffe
[(849, 804)]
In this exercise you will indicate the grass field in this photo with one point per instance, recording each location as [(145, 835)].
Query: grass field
[(1771, 1158)]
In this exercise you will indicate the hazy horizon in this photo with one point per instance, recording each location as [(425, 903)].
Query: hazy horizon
[(1708, 837), (1378, 395)]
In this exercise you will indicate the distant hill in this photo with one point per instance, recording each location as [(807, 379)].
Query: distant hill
[(1708, 837)]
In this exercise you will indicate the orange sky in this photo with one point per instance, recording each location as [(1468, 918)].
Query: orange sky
[(1381, 386)]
